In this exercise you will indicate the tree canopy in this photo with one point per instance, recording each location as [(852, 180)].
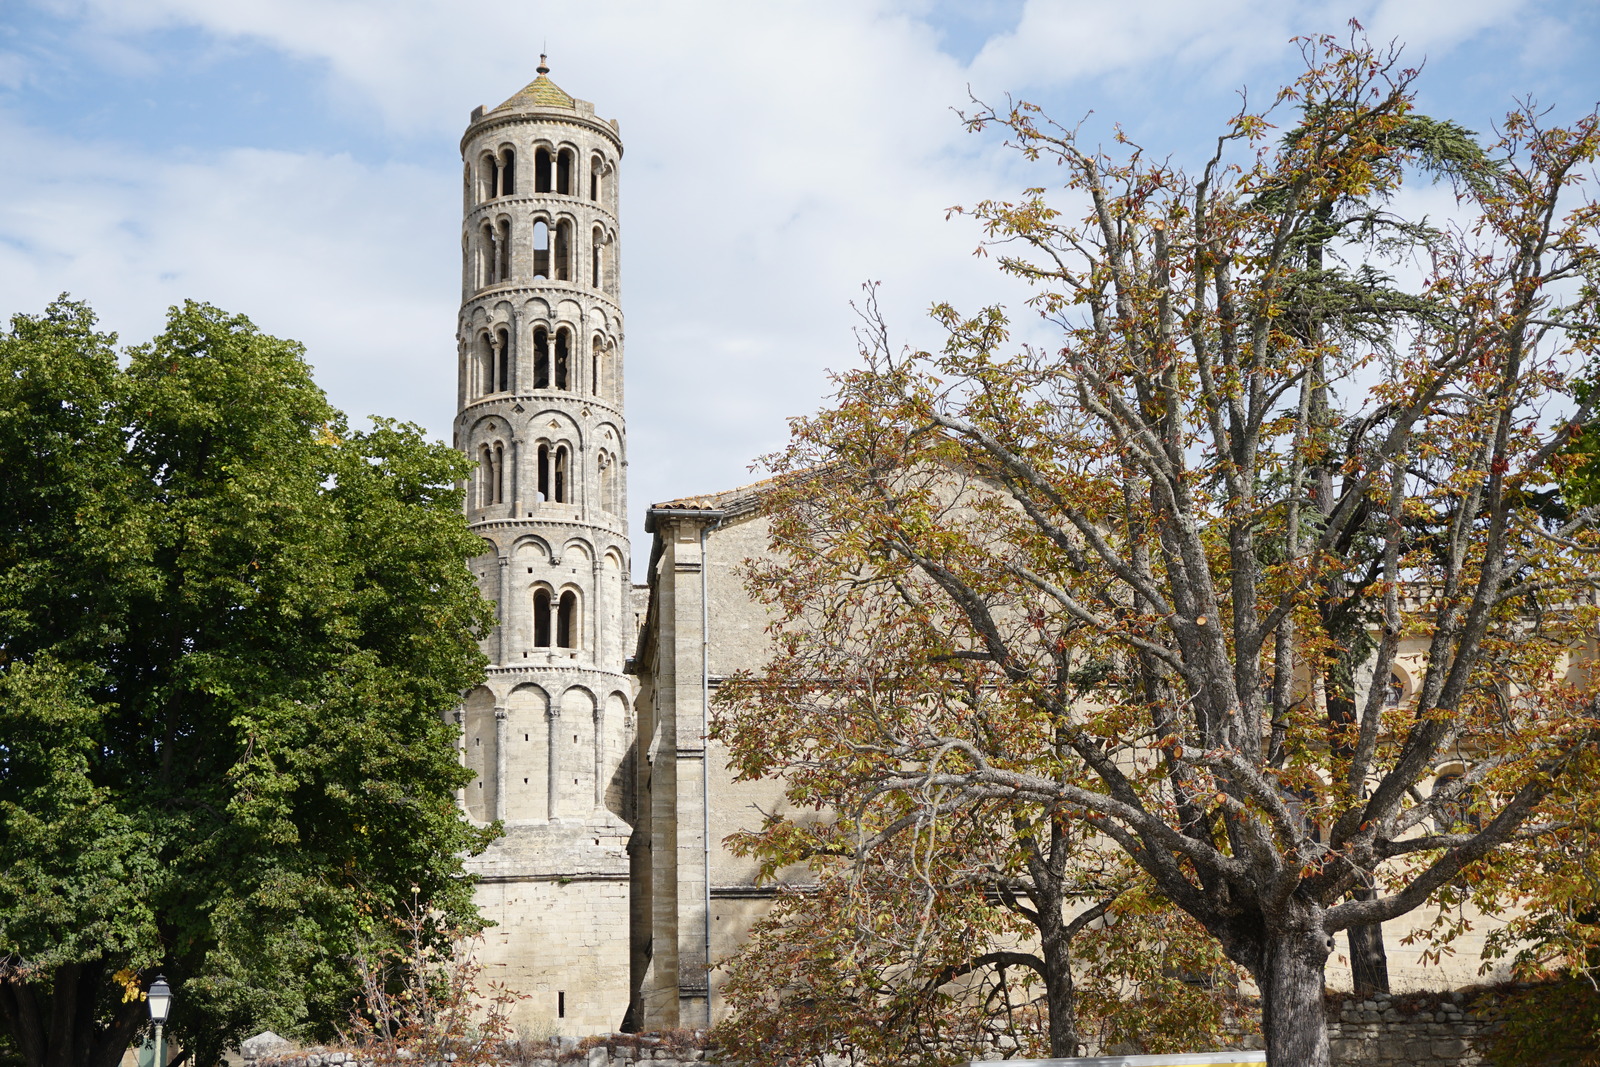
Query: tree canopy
[(1147, 583), (231, 628)]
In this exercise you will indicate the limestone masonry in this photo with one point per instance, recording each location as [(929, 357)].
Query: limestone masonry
[(540, 410)]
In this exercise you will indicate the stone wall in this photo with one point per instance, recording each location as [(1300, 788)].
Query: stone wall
[(1410, 1030), (1414, 1030)]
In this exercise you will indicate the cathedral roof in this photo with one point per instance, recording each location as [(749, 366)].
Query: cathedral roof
[(738, 503), (541, 92), (744, 498)]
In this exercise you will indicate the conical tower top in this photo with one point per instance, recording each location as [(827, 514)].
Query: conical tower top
[(541, 92)]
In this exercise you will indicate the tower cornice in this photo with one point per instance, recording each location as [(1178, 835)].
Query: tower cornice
[(484, 122), (562, 289)]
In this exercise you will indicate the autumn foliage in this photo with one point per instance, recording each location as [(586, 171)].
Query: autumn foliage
[(1118, 612)]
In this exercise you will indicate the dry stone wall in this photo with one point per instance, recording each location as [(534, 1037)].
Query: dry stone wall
[(1413, 1030)]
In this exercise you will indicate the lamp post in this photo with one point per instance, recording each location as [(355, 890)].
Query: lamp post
[(160, 1000)]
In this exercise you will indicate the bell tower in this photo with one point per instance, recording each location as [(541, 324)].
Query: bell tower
[(539, 412)]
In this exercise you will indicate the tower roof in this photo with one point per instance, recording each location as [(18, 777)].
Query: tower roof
[(541, 92)]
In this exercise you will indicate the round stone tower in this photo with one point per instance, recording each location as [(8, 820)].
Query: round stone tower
[(540, 413)]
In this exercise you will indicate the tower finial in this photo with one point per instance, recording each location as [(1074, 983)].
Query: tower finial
[(544, 68)]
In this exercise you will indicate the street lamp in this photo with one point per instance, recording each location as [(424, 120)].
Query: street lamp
[(160, 1000)]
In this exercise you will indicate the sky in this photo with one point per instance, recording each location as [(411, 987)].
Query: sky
[(298, 161)]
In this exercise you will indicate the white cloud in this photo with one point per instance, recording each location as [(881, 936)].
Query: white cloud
[(1434, 26), (320, 248), (778, 155)]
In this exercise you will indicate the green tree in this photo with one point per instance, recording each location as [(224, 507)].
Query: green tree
[(231, 629), (980, 530)]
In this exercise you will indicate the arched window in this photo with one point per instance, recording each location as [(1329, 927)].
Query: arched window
[(544, 472), (503, 360), (491, 483), (486, 256), (595, 258), (541, 358), (541, 618), (564, 161), (596, 165), (541, 249), (485, 361), (488, 177), (541, 170), (559, 476), (503, 271), (597, 358), (563, 366), (563, 263), (567, 620), (508, 171)]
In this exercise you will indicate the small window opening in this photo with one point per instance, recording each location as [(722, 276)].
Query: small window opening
[(503, 360), (541, 358), (508, 172), (563, 360), (595, 259), (489, 173), (541, 249), (485, 364), (487, 259), (564, 172), (544, 472), (541, 618), (563, 250), (559, 475), (541, 170), (499, 474), (561, 1004), (567, 621), (597, 356), (487, 477), (503, 249), (595, 166)]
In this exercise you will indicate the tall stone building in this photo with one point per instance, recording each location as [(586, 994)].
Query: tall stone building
[(540, 411)]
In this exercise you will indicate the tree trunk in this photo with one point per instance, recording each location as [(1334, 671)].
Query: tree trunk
[(1369, 964), (53, 1022), (1058, 989), (1291, 983)]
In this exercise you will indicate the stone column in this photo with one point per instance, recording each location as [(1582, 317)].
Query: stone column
[(600, 751), (501, 657), (499, 763), (553, 763)]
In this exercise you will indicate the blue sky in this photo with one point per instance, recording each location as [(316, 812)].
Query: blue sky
[(296, 160)]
